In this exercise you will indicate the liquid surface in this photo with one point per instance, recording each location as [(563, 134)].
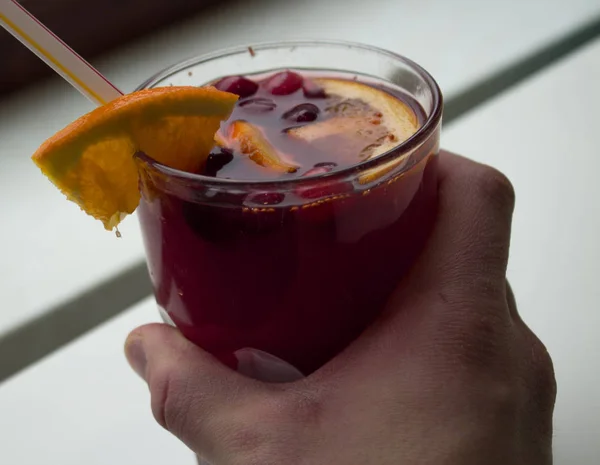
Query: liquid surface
[(290, 124)]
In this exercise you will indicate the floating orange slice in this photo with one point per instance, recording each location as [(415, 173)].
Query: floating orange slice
[(91, 160), (250, 141), (367, 120)]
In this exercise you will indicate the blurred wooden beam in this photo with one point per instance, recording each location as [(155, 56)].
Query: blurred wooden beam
[(90, 27)]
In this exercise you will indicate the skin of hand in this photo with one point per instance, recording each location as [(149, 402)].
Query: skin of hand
[(448, 375)]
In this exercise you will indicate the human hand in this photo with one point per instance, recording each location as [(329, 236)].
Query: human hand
[(449, 374)]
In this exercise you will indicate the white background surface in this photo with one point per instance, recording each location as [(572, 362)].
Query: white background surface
[(53, 252), (83, 405)]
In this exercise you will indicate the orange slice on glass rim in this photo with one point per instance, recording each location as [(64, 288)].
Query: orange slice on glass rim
[(92, 160)]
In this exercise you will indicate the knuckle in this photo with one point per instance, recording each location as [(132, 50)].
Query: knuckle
[(170, 398), (543, 397), (502, 397), (158, 383), (538, 370), (254, 440), (494, 186), (545, 379), (246, 440), (474, 336), (251, 428), (265, 431), (305, 405), (475, 350)]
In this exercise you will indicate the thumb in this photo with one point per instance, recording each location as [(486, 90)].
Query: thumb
[(193, 395)]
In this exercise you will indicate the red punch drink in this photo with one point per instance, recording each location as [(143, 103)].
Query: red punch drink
[(316, 199)]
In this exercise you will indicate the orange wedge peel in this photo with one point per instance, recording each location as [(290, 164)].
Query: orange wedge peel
[(92, 160)]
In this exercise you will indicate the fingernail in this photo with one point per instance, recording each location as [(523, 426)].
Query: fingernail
[(265, 367), (134, 351)]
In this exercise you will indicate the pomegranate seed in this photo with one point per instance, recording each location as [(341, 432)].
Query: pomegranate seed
[(216, 160), (238, 85), (303, 113), (284, 83), (258, 105)]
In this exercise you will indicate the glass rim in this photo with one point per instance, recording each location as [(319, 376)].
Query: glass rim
[(414, 141)]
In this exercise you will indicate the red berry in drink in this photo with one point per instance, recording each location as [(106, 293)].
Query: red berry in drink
[(284, 83), (303, 113), (238, 85), (258, 105), (216, 160)]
